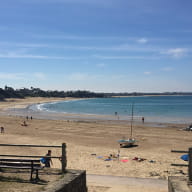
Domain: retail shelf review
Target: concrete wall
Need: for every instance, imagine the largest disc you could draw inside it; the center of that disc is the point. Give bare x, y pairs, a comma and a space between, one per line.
178, 184
71, 181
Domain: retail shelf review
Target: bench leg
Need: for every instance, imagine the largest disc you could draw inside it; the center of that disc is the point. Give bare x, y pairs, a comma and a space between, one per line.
37, 174
31, 175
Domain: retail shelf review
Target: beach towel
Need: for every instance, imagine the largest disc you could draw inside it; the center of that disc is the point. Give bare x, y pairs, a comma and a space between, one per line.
108, 159
185, 157
124, 160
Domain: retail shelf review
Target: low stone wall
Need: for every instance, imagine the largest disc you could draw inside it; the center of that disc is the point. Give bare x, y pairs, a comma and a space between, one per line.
178, 184
71, 181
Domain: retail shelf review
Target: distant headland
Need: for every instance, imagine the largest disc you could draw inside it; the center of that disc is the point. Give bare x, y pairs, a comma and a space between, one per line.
9, 92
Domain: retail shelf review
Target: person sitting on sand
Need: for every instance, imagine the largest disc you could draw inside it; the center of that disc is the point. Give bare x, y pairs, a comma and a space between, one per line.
24, 123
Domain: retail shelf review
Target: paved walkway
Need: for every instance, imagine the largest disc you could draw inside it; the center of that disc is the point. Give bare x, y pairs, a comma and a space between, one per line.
126, 184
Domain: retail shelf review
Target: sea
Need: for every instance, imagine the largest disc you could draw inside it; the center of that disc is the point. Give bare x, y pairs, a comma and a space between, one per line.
167, 109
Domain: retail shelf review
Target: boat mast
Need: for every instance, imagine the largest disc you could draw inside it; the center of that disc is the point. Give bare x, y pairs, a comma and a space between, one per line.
132, 121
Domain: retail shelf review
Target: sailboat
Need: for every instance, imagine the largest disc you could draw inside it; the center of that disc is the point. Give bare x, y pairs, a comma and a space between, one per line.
129, 141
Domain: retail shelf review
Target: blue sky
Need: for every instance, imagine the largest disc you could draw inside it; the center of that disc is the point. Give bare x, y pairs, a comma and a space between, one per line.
96, 45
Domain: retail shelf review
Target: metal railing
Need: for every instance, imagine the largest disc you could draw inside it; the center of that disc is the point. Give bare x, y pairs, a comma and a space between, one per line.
189, 160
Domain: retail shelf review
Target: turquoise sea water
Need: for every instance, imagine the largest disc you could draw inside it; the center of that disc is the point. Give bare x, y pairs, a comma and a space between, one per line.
176, 109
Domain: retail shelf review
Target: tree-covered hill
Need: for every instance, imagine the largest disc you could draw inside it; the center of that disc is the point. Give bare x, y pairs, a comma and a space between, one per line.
9, 92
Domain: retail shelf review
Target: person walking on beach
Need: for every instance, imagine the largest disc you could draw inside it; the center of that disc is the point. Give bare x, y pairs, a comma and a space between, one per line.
143, 119
2, 130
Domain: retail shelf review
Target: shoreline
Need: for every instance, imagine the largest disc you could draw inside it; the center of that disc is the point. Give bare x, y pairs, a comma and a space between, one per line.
23, 108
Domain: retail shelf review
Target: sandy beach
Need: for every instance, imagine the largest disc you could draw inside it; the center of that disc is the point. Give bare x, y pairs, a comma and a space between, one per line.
90, 142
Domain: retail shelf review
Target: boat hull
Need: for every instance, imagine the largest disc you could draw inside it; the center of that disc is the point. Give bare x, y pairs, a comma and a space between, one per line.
126, 142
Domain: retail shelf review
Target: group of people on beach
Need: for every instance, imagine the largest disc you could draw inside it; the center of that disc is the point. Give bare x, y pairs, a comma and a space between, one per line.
24, 122
27, 117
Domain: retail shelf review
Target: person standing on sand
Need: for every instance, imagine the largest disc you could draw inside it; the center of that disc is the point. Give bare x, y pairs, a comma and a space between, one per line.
143, 119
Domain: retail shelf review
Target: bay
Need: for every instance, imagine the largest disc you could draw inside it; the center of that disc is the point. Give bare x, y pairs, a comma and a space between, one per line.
173, 109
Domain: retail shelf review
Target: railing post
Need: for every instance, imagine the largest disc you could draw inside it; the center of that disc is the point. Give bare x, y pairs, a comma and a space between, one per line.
190, 164
63, 158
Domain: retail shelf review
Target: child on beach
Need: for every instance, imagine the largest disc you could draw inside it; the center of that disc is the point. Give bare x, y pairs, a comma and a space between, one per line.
47, 159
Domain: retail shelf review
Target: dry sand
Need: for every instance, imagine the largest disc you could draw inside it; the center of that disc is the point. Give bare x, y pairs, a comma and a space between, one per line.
90, 142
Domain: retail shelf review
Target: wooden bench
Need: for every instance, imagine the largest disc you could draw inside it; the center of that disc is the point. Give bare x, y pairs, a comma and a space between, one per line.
32, 164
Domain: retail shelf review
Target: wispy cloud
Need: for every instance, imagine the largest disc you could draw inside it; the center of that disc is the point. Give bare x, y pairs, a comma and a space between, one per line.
94, 38
105, 57
22, 56
142, 40
30, 56
12, 76
167, 69
115, 47
78, 76
22, 45
22, 76
177, 52
147, 73
101, 65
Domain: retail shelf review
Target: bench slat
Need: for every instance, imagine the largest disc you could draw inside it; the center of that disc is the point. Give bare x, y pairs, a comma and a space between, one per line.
21, 160
19, 164
16, 167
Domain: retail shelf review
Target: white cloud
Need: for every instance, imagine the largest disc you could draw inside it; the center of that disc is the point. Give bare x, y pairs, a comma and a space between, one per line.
16, 55
147, 73
31, 56
142, 40
177, 52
